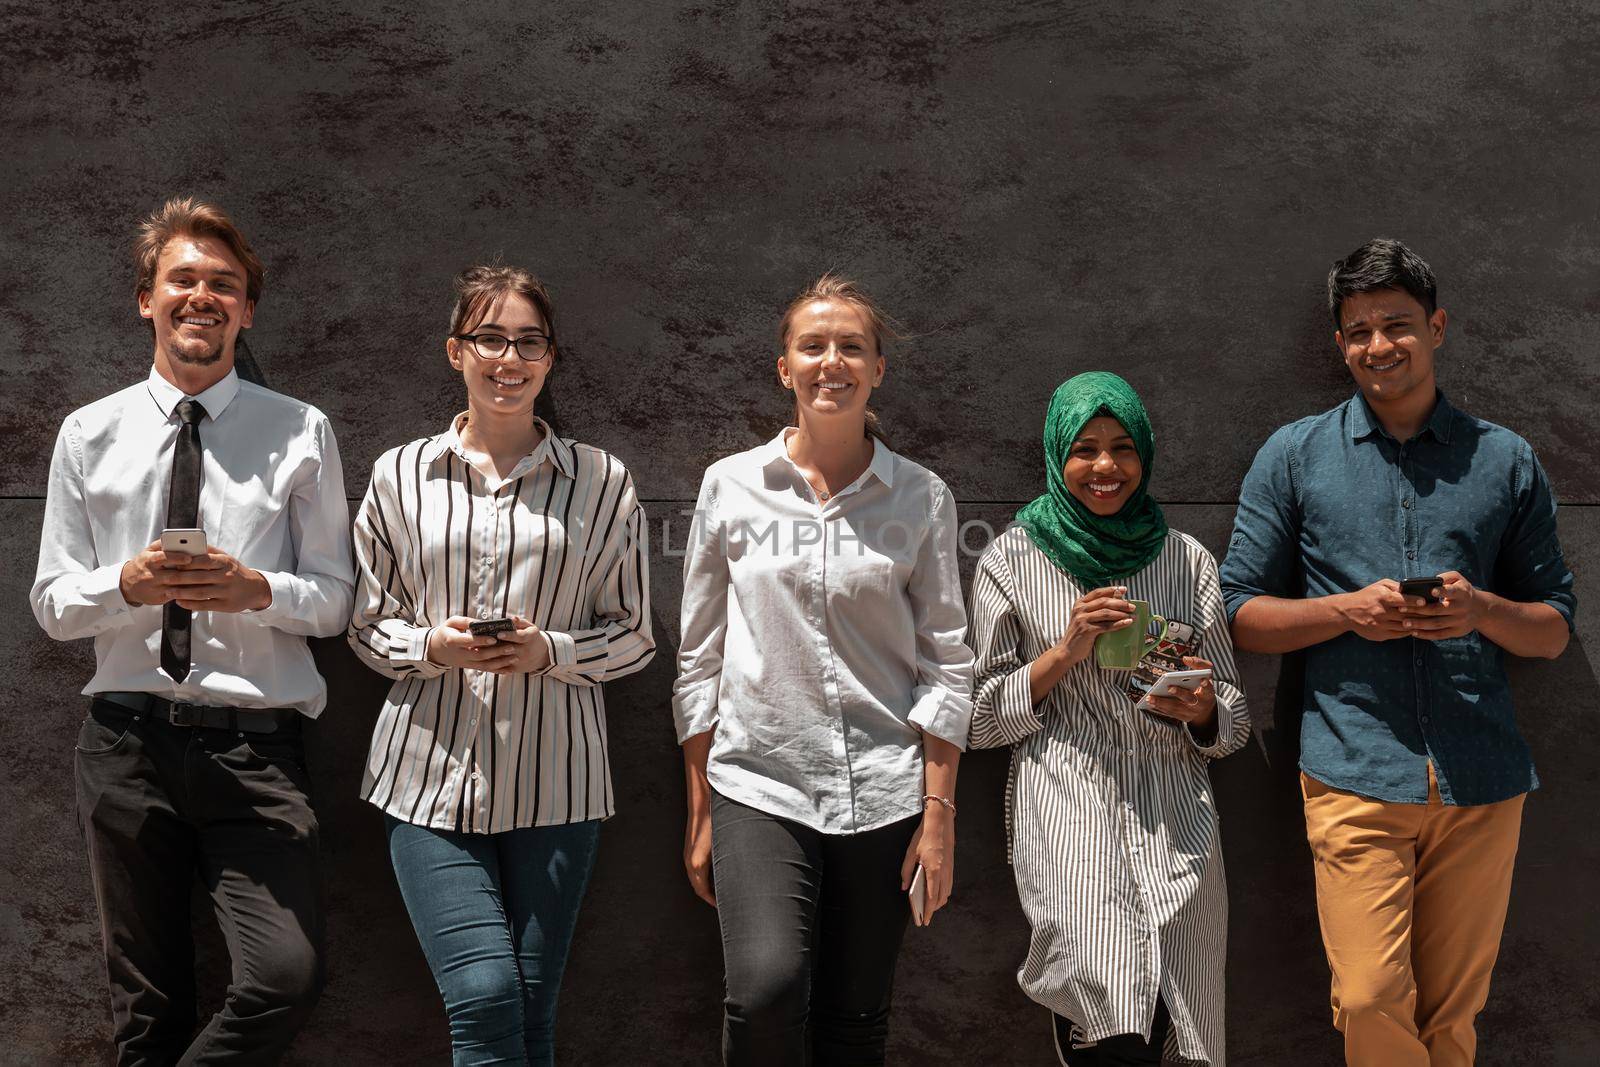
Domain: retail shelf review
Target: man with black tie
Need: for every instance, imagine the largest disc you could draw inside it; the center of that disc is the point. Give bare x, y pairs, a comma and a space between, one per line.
190, 760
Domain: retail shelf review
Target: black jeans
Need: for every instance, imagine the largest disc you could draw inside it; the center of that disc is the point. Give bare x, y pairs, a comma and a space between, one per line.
811, 928
1118, 1050
159, 803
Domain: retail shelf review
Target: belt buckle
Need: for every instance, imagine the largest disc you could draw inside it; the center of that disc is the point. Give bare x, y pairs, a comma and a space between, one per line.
183, 714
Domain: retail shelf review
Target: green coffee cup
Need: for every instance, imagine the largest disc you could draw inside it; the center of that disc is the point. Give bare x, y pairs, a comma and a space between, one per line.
1121, 650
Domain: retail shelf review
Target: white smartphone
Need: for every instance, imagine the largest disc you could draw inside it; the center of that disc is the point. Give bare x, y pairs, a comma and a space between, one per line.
918, 894
1175, 680
188, 542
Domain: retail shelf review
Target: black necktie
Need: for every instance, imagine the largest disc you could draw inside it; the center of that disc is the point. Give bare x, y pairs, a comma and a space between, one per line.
183, 513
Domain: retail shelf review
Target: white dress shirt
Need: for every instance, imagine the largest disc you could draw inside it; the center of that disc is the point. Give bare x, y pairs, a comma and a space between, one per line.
271, 494
559, 541
821, 640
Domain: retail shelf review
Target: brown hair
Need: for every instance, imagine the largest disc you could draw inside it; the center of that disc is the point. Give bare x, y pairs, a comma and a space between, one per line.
185, 216
883, 328
479, 288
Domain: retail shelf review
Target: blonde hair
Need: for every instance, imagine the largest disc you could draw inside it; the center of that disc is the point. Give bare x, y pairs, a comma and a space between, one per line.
883, 328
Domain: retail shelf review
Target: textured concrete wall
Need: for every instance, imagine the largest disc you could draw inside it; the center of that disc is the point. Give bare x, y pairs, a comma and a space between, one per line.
1036, 188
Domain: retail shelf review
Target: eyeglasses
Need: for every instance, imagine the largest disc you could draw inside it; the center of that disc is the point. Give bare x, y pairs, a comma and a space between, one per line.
531, 347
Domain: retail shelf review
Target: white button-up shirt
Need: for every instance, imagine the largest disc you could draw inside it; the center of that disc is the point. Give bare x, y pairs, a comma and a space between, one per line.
271, 494
821, 639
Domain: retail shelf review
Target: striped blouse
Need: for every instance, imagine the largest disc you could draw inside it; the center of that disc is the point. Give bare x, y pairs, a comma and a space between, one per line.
1109, 814
558, 541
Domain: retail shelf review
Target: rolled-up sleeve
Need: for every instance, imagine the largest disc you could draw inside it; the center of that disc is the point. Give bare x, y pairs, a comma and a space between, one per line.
1002, 699
1216, 646
315, 598
703, 617
1263, 553
1530, 566
942, 697
75, 594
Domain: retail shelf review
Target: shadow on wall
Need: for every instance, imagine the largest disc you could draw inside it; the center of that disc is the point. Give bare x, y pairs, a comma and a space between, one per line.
644, 982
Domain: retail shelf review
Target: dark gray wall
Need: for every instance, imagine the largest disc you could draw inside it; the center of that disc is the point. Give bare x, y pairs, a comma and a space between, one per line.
1036, 189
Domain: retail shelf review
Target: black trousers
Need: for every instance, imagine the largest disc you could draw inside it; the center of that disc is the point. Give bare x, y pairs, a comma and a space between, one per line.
159, 803
811, 929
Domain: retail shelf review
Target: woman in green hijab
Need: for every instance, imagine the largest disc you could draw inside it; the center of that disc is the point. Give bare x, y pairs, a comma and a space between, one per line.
1110, 820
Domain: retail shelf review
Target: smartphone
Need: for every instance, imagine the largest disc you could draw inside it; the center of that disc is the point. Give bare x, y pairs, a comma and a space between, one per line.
187, 542
1422, 587
918, 894
1175, 680
490, 627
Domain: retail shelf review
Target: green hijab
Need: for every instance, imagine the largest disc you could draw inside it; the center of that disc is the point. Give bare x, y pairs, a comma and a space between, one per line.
1092, 548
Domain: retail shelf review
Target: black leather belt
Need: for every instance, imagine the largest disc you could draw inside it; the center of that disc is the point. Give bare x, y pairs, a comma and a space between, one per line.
205, 716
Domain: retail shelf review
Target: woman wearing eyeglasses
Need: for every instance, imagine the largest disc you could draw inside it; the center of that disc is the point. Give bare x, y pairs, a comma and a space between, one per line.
502, 580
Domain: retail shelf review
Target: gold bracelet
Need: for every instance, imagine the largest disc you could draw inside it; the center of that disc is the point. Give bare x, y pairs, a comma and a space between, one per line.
946, 801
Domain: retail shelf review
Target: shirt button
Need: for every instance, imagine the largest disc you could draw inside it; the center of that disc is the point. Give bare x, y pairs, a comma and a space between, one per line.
1411, 555
1419, 659
1424, 720
476, 776
484, 614
1406, 503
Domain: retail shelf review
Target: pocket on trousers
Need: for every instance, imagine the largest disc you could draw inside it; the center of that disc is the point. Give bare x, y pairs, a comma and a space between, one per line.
105, 729
288, 756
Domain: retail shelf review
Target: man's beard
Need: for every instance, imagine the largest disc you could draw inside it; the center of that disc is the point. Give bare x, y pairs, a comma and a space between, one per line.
203, 357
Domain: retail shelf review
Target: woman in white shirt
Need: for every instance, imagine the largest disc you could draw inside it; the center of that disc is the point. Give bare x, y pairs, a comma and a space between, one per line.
489, 758
822, 701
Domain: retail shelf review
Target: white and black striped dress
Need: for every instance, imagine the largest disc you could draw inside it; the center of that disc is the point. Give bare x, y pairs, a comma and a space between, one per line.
1112, 828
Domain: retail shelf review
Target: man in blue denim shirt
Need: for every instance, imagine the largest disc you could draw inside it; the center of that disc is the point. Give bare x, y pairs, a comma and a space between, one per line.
1413, 771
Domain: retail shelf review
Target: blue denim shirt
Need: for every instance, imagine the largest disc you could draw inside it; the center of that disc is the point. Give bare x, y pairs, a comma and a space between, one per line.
1333, 504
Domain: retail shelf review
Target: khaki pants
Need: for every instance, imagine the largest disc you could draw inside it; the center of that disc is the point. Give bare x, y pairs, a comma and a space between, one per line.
1412, 899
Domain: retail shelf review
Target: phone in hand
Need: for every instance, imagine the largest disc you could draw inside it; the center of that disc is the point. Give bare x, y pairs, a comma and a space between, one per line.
919, 895
188, 542
1422, 587
1172, 680
490, 627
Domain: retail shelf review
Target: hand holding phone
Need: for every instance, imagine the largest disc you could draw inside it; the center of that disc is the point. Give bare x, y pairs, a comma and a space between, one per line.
1185, 696
1421, 587
1171, 681
490, 627
919, 896
185, 541
454, 643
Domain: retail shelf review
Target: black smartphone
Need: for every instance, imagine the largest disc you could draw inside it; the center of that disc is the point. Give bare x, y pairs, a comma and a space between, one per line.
490, 627
1422, 587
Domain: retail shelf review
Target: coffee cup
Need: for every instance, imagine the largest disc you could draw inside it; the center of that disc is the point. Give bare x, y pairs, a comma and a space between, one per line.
1121, 650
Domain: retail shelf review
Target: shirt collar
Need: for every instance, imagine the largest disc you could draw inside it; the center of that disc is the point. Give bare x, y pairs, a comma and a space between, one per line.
1364, 423
215, 399
1442, 419
551, 449
881, 467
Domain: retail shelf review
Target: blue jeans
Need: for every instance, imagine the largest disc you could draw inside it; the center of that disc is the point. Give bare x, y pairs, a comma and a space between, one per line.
495, 914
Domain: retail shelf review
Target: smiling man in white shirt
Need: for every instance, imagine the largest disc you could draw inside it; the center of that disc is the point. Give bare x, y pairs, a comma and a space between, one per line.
191, 759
